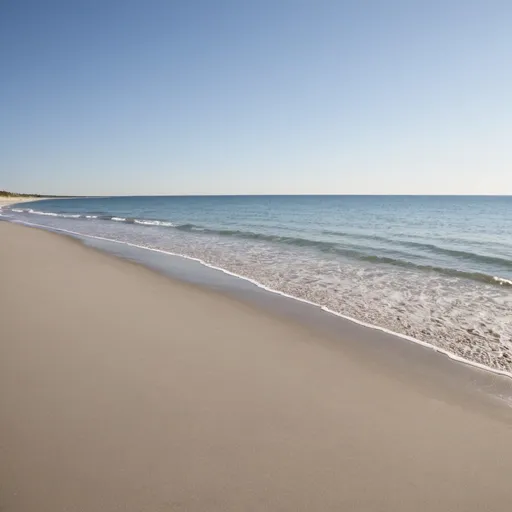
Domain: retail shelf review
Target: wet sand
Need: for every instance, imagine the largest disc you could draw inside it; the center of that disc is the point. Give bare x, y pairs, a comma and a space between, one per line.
123, 390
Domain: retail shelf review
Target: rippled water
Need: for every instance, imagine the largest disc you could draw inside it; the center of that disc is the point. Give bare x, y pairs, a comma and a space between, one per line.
438, 269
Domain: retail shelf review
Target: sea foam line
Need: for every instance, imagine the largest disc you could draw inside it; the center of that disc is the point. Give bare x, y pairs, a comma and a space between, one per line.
502, 280
144, 222
451, 355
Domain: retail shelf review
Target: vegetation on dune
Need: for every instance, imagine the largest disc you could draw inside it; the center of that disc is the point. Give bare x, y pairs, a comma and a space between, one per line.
4, 193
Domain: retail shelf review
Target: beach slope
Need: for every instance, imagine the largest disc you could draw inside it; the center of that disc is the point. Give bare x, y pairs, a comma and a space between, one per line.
121, 390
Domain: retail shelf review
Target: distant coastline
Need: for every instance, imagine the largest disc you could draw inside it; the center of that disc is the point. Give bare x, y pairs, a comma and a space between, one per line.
15, 195
5, 193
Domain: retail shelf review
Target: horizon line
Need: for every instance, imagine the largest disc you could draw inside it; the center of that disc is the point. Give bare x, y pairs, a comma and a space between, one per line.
15, 195
106, 196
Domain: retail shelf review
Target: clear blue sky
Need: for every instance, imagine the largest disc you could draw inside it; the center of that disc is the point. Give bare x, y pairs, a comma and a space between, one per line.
252, 97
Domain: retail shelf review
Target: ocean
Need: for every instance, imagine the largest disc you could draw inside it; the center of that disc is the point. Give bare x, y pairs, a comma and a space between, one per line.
435, 269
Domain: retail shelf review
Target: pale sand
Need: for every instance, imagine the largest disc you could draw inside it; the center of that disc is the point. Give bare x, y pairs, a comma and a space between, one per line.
121, 390
11, 201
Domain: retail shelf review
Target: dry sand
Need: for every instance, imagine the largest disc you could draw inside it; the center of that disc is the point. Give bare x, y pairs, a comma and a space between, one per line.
4, 200
121, 390
11, 201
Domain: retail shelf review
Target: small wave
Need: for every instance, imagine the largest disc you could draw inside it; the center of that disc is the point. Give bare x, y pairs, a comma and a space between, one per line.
48, 214
153, 223
249, 235
128, 220
356, 236
470, 256
436, 249
450, 272
51, 214
502, 281
194, 227
141, 222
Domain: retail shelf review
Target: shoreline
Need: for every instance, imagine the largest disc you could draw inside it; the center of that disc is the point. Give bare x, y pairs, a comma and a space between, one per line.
113, 395
11, 201
450, 355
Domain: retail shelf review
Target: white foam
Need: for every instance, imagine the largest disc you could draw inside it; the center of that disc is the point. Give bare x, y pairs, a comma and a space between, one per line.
50, 214
502, 281
443, 351
77, 216
153, 223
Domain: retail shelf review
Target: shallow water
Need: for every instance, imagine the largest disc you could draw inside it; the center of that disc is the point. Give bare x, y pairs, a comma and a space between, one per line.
438, 269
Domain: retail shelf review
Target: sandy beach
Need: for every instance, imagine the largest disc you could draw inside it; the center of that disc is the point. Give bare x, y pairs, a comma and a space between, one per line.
122, 390
10, 201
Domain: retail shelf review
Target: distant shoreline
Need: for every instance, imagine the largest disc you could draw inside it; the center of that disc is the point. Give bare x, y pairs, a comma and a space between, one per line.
13, 195
11, 201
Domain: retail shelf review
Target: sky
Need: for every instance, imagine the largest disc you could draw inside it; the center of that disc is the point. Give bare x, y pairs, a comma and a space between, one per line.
256, 97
